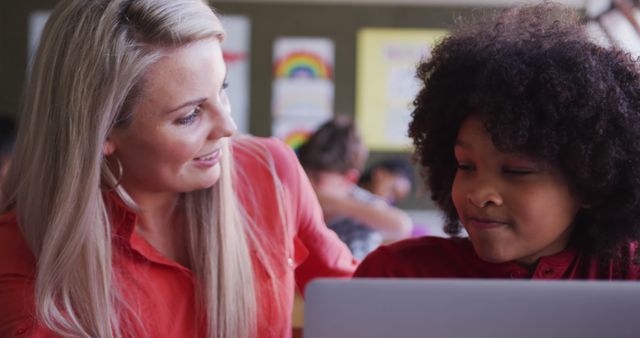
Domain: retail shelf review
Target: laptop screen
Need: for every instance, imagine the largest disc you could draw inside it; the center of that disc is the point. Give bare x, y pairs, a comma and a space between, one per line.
447, 308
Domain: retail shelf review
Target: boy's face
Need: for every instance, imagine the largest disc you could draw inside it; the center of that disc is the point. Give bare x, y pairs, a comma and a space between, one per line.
513, 207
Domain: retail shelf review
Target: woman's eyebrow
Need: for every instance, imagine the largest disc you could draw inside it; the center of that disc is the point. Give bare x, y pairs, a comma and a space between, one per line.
187, 104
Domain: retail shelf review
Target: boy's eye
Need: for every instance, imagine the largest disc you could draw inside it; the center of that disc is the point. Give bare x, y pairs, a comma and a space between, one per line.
465, 167
518, 171
189, 119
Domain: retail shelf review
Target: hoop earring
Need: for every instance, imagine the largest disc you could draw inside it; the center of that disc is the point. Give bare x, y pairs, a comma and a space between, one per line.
110, 177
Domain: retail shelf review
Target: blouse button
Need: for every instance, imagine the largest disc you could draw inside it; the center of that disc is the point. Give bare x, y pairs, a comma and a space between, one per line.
21, 330
290, 261
547, 272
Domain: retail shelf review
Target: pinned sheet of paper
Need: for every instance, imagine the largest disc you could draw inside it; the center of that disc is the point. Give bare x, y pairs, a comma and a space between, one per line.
303, 88
386, 83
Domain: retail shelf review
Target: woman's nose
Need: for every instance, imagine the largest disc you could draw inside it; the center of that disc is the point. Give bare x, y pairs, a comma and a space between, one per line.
223, 126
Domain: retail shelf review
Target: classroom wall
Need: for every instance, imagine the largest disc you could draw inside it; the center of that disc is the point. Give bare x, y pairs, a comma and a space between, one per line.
340, 23
337, 22
268, 22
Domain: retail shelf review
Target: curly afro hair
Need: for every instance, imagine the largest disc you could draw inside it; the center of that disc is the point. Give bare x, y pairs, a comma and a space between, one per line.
543, 89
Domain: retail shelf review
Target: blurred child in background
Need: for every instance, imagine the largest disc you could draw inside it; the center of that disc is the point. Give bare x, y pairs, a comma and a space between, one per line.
390, 179
333, 158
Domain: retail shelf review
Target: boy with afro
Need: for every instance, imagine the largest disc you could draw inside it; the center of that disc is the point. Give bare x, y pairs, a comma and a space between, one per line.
528, 135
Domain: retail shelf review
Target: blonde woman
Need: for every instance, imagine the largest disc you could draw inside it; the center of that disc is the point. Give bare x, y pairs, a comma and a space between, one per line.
128, 209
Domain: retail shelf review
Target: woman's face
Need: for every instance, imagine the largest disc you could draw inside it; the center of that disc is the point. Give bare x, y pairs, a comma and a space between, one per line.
513, 207
174, 141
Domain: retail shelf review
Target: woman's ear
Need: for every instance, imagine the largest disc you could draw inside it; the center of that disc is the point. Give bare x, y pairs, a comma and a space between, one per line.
108, 148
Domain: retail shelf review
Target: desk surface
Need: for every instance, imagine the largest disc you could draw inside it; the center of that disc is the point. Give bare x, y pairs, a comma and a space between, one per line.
297, 317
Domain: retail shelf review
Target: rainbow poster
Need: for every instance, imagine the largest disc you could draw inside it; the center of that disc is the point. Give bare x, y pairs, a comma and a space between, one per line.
303, 88
302, 64
296, 138
296, 131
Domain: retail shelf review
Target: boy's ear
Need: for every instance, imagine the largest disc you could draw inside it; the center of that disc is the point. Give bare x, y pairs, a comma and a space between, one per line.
108, 148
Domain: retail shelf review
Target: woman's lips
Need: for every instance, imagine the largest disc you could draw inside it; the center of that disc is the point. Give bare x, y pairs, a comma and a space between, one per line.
208, 160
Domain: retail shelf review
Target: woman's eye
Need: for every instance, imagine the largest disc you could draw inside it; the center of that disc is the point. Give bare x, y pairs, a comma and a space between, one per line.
225, 84
189, 119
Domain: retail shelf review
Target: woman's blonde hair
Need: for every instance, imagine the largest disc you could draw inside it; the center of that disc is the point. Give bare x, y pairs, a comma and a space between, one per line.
87, 74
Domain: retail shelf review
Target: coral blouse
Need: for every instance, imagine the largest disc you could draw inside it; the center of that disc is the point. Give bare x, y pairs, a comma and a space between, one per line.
162, 290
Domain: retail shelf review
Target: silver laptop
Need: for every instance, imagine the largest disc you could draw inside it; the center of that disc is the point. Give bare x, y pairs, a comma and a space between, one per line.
445, 308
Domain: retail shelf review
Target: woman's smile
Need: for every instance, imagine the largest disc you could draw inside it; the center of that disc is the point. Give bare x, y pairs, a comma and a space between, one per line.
208, 160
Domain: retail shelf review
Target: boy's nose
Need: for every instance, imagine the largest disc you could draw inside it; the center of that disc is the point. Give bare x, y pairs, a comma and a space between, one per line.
484, 196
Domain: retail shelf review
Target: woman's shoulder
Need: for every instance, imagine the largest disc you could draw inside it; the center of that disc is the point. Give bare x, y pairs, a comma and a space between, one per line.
17, 271
416, 257
251, 146
251, 152
17, 258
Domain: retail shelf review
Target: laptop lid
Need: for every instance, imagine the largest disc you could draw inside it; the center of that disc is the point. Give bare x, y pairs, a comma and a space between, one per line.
447, 308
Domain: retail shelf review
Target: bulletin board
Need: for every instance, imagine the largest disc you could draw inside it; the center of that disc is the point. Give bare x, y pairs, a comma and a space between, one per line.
386, 83
268, 21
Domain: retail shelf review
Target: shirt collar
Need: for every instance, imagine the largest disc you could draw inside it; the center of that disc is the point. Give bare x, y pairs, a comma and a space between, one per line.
123, 219
548, 267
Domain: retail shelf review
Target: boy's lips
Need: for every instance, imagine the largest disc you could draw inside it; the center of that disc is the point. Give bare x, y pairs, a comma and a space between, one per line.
485, 222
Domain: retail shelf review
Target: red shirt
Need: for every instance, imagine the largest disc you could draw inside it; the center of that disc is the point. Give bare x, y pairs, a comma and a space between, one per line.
455, 258
162, 289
